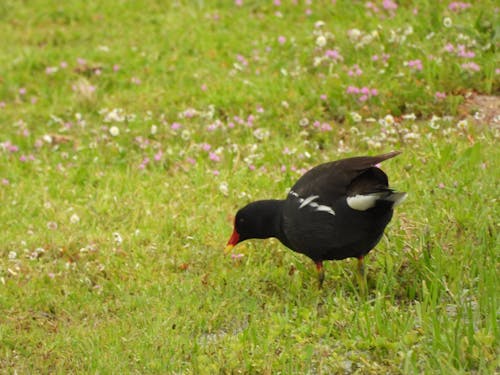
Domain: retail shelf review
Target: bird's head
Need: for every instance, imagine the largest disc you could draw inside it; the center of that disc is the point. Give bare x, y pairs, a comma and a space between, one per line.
255, 220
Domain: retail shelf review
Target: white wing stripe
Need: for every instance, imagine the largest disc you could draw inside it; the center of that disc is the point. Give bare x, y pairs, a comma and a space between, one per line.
327, 209
309, 201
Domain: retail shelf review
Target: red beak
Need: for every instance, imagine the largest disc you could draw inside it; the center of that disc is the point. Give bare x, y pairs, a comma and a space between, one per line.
235, 237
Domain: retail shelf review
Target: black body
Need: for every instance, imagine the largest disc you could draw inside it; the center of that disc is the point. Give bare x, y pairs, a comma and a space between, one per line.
316, 220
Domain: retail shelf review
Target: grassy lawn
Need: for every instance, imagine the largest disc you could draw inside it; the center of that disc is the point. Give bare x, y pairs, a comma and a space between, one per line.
131, 132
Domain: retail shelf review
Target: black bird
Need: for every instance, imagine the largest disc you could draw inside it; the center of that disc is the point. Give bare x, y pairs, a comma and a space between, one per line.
336, 210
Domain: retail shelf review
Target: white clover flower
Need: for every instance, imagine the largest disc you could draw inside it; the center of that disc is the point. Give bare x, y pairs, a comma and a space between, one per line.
479, 115
117, 238
114, 131
356, 117
154, 129
319, 24
317, 61
52, 225
354, 34
408, 30
185, 135
115, 115
389, 120
224, 188
47, 138
304, 122
12, 255
447, 22
410, 116
74, 219
321, 41
462, 124
261, 134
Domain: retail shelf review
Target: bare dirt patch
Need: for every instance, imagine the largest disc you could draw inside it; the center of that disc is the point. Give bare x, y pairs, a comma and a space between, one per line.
484, 109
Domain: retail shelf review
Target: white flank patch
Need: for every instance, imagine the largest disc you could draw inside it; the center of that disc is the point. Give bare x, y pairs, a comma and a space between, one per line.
308, 200
363, 202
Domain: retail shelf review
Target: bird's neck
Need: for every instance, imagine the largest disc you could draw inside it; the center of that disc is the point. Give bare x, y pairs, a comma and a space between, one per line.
270, 213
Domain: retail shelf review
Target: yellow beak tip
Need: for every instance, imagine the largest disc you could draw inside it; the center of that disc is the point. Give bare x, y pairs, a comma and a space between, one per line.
228, 249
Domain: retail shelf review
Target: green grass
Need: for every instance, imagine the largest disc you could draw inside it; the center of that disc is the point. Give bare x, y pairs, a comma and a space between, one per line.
163, 299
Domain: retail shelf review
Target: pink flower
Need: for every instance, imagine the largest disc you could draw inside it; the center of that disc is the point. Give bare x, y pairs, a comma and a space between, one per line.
204, 87
22, 91
5, 181
440, 95
158, 155
63, 64
334, 55
326, 127
22, 158
365, 91
373, 92
281, 39
50, 70
206, 147
251, 167
449, 47
214, 157
471, 66
81, 61
352, 90
389, 5
323, 97
2, 104
355, 71
250, 120
191, 161
116, 68
175, 126
415, 64
216, 172
457, 6
10, 147
238, 2
135, 80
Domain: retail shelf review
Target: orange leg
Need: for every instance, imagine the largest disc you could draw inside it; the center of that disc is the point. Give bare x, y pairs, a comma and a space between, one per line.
321, 273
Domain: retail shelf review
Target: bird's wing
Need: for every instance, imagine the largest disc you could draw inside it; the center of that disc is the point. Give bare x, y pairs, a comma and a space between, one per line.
355, 175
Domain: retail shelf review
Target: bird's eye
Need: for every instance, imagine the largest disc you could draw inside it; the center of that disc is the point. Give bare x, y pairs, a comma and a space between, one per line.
241, 220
